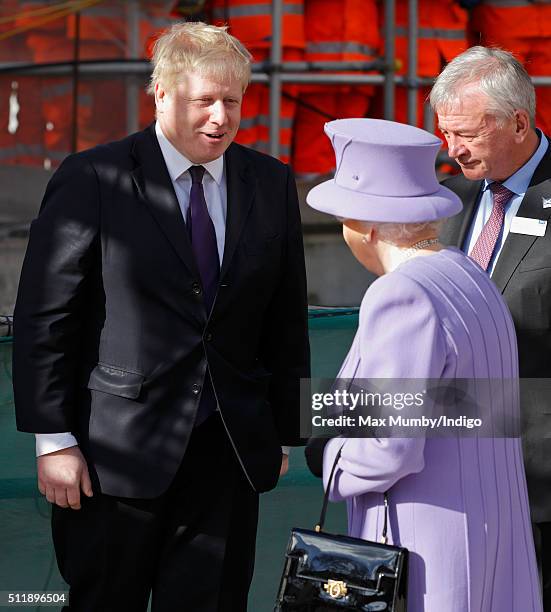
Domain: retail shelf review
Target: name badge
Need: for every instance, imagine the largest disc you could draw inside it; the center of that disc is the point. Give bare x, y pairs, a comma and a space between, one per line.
531, 227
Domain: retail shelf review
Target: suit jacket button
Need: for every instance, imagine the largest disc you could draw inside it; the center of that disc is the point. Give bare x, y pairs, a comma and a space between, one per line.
195, 389
208, 337
196, 288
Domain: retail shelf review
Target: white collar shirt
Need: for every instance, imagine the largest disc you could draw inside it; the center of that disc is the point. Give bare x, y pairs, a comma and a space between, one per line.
214, 185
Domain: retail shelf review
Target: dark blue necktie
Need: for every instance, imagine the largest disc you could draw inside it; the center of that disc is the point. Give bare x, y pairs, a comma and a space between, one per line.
203, 237
205, 250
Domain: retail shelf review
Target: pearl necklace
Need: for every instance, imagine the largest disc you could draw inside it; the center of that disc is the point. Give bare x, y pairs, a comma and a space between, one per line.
422, 244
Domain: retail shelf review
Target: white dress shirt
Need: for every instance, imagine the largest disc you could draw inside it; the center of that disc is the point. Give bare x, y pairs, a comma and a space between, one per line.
518, 184
214, 185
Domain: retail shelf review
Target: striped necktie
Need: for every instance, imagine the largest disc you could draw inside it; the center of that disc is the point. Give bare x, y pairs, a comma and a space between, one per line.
485, 245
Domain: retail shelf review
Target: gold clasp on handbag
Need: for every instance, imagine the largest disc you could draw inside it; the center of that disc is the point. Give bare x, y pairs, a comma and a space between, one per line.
335, 588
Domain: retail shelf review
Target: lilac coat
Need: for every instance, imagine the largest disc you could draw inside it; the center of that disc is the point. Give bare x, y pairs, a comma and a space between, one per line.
458, 504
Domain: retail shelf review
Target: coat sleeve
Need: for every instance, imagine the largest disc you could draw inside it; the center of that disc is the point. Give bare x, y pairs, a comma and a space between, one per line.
400, 337
51, 300
285, 344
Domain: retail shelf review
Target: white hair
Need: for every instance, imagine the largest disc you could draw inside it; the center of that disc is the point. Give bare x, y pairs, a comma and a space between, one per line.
404, 234
496, 73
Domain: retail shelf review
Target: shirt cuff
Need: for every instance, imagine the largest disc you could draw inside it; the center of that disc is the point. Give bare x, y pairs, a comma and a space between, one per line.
51, 442
285, 450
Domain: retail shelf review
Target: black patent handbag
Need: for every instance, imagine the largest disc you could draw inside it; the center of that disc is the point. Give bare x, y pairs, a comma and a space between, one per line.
324, 572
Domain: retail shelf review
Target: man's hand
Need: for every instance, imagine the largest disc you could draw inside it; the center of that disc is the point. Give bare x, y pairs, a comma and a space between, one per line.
284, 464
61, 476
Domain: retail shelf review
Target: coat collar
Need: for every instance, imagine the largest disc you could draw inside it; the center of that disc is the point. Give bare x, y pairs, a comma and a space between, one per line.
241, 188
177, 163
154, 184
455, 230
516, 246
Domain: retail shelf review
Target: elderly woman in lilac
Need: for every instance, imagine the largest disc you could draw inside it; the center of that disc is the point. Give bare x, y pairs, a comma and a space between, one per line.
458, 504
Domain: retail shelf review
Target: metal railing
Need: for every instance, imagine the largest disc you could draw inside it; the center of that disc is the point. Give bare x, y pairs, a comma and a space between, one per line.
6, 327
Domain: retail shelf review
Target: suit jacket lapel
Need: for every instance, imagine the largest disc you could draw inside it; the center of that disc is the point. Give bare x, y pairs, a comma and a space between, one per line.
455, 230
155, 187
241, 188
516, 246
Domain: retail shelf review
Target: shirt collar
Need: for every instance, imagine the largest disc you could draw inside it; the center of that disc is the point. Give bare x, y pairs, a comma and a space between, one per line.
519, 182
177, 163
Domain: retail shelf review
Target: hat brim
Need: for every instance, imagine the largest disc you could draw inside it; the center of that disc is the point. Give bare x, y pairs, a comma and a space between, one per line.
330, 198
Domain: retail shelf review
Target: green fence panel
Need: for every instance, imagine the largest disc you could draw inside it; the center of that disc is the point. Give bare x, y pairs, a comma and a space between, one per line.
27, 561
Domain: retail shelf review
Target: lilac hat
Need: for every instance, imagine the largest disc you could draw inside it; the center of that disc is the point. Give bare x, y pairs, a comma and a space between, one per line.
385, 172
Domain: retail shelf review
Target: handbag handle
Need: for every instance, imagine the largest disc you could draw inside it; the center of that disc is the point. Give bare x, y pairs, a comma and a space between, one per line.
321, 522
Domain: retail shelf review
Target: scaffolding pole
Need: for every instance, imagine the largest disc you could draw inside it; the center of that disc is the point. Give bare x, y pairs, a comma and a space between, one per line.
143, 68
133, 52
76, 81
139, 67
413, 39
428, 118
390, 58
275, 76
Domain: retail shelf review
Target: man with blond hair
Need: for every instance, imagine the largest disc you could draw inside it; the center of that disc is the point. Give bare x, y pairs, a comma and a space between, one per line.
486, 109
160, 335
